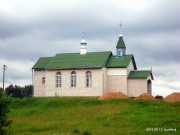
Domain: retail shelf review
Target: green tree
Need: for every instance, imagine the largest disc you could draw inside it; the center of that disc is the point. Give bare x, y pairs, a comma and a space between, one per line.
18, 91
27, 91
4, 122
9, 90
13, 91
1, 91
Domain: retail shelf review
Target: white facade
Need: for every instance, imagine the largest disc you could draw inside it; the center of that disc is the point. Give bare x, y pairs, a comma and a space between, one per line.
117, 79
103, 80
117, 71
130, 67
49, 87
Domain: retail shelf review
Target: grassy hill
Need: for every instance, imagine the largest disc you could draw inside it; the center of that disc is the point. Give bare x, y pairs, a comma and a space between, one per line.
85, 116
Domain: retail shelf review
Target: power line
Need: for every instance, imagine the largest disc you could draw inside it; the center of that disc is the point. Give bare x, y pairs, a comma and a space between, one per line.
18, 74
18, 70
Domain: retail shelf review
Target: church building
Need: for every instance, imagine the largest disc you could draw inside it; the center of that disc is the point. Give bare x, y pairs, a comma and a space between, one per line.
90, 73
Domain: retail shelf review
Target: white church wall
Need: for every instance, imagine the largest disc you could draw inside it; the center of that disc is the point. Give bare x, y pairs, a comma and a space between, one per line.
117, 83
80, 89
39, 87
130, 67
137, 87
116, 71
105, 80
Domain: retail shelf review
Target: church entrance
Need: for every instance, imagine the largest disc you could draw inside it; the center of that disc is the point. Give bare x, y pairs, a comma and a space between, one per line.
149, 87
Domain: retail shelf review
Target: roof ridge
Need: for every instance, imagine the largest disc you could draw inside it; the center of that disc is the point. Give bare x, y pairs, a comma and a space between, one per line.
45, 57
87, 52
140, 70
76, 60
139, 74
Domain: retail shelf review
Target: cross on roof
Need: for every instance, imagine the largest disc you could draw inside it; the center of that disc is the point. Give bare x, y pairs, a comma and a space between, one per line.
83, 34
120, 27
120, 34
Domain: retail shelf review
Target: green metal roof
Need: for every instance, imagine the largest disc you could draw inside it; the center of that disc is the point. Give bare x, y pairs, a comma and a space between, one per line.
76, 60
89, 60
140, 74
42, 62
119, 62
120, 43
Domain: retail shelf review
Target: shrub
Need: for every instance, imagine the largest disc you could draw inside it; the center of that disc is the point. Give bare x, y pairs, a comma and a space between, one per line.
86, 133
4, 122
159, 97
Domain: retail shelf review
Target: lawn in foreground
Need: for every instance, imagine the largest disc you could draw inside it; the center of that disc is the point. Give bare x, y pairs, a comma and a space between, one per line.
62, 116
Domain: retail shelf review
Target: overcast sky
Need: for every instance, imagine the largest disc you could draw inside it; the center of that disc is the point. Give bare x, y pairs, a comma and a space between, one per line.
30, 29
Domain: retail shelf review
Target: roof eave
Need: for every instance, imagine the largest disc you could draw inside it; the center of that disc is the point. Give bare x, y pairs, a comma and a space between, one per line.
151, 75
117, 67
38, 68
64, 68
134, 63
105, 63
137, 77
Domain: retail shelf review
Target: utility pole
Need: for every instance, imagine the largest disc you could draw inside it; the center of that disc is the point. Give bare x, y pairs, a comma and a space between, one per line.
4, 69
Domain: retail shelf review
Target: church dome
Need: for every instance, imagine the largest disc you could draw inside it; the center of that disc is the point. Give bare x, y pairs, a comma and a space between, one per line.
83, 41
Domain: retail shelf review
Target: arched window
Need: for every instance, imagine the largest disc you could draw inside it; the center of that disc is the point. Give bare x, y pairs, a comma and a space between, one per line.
73, 79
43, 80
88, 79
149, 87
58, 79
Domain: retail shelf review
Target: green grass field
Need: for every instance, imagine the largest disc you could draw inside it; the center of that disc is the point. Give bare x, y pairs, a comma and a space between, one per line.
88, 116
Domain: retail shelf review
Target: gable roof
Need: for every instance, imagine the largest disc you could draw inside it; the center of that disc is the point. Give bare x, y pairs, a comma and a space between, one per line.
140, 74
121, 62
121, 43
76, 60
42, 62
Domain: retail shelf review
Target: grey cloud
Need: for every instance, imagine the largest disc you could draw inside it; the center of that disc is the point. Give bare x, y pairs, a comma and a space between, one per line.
151, 33
155, 49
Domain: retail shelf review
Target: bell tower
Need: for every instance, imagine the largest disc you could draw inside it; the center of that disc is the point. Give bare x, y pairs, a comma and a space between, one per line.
83, 49
120, 47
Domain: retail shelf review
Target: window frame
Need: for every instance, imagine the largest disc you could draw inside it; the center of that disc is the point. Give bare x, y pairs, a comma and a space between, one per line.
73, 80
58, 79
88, 79
43, 80
119, 53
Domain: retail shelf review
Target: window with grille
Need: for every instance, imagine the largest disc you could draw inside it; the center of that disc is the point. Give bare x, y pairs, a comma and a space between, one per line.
58, 79
88, 79
73, 79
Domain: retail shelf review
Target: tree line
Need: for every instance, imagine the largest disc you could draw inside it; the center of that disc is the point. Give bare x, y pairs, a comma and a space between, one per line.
18, 91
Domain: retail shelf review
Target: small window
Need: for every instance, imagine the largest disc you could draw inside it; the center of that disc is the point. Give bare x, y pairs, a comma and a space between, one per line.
119, 53
88, 79
58, 79
43, 80
73, 79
